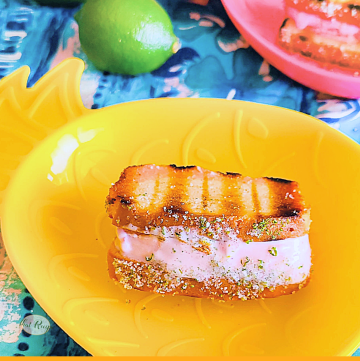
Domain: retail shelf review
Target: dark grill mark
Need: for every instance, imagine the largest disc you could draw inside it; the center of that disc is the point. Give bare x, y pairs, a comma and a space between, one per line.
283, 24
354, 7
306, 53
284, 200
233, 174
287, 211
182, 167
277, 195
175, 191
279, 180
125, 201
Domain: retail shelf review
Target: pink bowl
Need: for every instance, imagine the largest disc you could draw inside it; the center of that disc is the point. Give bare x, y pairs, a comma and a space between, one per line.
259, 22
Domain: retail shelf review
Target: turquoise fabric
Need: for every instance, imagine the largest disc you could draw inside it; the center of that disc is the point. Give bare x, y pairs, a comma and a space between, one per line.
214, 61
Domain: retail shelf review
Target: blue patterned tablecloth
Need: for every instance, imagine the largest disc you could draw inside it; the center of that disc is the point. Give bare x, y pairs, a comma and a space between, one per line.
214, 61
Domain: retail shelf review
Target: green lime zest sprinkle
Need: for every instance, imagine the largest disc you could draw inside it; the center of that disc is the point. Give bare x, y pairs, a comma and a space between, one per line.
244, 263
202, 222
273, 251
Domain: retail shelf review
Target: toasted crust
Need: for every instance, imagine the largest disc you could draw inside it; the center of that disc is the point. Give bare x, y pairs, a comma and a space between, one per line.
260, 209
138, 275
317, 47
347, 11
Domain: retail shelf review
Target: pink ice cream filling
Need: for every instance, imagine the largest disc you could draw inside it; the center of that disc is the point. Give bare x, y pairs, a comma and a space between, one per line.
267, 264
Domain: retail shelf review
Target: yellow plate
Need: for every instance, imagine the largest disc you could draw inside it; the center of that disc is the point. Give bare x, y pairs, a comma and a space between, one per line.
57, 232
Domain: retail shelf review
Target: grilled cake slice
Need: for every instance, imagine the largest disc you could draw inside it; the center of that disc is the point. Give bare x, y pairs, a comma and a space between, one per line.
150, 198
192, 231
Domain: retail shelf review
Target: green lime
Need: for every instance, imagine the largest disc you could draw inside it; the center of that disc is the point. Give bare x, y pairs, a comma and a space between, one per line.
126, 36
61, 3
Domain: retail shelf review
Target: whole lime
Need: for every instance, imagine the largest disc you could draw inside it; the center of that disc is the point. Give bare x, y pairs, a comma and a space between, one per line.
126, 36
60, 3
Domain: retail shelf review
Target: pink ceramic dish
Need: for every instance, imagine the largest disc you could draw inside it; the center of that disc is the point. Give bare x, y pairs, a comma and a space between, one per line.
259, 22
